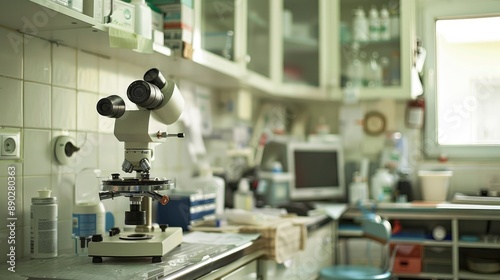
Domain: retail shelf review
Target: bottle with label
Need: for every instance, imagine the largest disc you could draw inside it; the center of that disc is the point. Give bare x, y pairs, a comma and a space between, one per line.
360, 26
382, 185
374, 24
43, 229
385, 24
358, 189
243, 197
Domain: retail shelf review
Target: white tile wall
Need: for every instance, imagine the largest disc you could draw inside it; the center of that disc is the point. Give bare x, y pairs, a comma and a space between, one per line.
86, 113
11, 95
37, 60
38, 152
88, 72
49, 91
11, 54
63, 108
63, 66
37, 105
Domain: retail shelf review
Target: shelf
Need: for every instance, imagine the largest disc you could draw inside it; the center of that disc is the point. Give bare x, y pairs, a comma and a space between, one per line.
296, 44
464, 274
487, 245
381, 43
425, 275
426, 242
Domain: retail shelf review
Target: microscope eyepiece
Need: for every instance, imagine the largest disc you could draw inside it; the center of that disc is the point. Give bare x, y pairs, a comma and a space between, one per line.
144, 94
112, 106
155, 77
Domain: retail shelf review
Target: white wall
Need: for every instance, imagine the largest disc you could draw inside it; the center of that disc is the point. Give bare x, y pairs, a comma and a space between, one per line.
48, 90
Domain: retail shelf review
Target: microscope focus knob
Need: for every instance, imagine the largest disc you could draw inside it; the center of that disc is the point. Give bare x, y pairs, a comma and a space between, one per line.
97, 238
163, 227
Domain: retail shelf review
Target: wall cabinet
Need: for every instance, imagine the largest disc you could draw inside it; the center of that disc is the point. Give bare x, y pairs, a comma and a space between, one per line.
374, 43
470, 233
293, 48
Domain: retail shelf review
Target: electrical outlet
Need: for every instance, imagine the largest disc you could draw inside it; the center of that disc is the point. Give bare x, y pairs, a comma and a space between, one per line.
10, 147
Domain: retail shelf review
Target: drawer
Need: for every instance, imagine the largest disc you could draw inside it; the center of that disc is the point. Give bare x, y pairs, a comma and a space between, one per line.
407, 265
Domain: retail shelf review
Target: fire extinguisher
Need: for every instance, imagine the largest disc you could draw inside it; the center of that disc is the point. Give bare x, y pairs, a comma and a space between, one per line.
415, 113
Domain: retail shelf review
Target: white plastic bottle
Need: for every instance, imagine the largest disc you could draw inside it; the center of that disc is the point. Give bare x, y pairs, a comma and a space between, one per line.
385, 24
243, 197
360, 26
358, 189
382, 185
43, 230
394, 23
374, 24
143, 26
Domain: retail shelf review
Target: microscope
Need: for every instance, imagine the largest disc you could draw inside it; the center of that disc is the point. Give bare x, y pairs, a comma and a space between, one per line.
159, 104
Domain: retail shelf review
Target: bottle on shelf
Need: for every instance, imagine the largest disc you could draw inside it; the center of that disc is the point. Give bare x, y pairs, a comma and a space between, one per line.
355, 68
382, 186
394, 22
395, 68
374, 24
384, 64
360, 26
373, 71
385, 24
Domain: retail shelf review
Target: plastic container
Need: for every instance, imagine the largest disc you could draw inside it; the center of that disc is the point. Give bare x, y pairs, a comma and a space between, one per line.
43, 237
243, 197
358, 190
88, 219
382, 186
434, 184
385, 24
360, 26
373, 24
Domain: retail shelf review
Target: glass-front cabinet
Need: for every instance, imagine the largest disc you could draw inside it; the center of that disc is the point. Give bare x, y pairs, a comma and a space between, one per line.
258, 36
374, 43
218, 35
303, 47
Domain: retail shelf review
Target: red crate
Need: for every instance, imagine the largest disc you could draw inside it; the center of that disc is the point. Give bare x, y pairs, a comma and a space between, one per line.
408, 258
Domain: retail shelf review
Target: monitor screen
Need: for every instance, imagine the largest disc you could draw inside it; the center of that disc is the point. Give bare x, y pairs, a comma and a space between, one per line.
315, 169
318, 171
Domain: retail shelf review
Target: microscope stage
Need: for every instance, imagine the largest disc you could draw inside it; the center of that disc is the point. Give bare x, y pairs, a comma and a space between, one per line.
158, 245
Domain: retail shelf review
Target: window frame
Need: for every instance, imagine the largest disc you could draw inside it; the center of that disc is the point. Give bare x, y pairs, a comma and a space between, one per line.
433, 10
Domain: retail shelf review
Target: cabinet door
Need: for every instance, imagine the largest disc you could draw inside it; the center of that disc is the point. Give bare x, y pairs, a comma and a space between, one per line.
259, 37
300, 36
375, 42
217, 38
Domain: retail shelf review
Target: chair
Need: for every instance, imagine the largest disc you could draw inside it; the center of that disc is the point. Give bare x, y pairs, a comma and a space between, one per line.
375, 228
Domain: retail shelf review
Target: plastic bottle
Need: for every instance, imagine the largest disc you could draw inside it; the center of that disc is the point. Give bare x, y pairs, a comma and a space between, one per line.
374, 24
143, 19
385, 24
358, 189
360, 26
394, 23
382, 185
374, 71
43, 231
243, 197
355, 69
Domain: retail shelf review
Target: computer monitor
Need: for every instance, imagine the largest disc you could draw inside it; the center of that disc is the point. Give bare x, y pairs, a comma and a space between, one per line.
316, 168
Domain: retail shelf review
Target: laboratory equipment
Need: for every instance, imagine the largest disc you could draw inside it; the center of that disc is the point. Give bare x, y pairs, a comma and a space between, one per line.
317, 168
159, 104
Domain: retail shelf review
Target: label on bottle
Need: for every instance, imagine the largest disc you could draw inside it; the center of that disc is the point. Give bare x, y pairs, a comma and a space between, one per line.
84, 224
43, 231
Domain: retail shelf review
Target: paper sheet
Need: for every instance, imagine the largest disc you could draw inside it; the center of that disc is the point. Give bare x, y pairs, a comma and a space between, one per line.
219, 238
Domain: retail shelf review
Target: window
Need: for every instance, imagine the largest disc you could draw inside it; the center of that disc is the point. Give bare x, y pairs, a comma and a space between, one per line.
463, 80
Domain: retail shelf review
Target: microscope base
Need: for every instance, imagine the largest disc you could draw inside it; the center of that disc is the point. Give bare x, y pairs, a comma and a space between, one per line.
158, 245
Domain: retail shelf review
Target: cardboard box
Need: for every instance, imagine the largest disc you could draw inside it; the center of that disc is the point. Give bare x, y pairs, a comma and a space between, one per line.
178, 22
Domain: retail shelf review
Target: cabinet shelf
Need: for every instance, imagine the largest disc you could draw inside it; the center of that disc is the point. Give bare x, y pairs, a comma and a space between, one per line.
426, 242
380, 43
425, 275
487, 245
464, 274
297, 44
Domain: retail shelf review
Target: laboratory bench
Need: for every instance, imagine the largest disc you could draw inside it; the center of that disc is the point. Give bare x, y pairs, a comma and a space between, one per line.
251, 253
